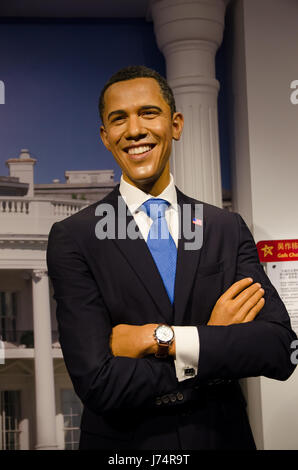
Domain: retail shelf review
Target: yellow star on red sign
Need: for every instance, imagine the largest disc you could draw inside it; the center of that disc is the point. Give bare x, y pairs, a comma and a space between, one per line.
267, 250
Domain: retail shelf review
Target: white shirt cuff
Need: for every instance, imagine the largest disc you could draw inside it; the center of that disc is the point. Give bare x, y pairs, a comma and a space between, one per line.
187, 352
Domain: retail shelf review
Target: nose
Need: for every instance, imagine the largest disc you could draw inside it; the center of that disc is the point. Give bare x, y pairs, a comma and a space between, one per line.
134, 130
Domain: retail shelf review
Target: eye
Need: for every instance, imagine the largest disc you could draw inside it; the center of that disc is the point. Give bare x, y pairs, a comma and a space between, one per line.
149, 113
118, 118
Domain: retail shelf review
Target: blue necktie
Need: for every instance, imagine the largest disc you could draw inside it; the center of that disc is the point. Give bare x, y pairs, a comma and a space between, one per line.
161, 243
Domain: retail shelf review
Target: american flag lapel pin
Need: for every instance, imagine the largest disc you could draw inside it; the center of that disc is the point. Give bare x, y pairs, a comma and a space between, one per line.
197, 221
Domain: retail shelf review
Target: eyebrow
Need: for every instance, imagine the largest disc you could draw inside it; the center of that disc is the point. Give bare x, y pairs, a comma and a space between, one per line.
118, 111
121, 111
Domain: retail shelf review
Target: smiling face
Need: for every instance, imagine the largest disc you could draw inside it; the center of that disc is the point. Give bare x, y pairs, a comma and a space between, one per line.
138, 129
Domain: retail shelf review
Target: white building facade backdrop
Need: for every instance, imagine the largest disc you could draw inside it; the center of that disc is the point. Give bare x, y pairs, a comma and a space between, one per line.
38, 407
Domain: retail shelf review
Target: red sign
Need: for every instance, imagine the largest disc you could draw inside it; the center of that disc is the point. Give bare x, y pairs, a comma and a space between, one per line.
277, 250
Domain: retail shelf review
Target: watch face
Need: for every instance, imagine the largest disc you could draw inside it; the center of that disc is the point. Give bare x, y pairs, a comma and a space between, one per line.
164, 333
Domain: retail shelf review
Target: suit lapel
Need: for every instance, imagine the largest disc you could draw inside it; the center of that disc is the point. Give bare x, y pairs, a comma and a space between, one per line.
138, 256
189, 251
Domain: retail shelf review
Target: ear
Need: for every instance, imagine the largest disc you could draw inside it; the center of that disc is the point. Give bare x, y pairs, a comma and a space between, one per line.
104, 137
177, 124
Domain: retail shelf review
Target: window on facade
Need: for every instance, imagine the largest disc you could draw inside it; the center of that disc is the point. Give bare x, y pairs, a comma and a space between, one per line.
72, 411
8, 314
10, 415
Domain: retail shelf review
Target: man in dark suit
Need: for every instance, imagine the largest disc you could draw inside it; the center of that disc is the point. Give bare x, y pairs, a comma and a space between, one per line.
156, 330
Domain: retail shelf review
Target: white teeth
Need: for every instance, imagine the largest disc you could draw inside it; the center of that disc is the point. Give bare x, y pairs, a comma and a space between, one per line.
138, 150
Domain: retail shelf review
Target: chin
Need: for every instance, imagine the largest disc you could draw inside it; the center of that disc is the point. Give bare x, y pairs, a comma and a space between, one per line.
144, 180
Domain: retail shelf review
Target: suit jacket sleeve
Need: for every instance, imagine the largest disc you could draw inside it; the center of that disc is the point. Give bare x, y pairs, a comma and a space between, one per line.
103, 382
260, 347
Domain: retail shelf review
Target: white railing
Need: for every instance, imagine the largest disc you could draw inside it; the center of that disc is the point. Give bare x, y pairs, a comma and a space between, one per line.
63, 209
14, 206
33, 215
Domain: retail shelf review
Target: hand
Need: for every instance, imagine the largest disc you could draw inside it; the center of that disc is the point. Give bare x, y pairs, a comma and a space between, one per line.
239, 304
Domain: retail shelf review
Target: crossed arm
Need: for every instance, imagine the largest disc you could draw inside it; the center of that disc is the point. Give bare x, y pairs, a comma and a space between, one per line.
239, 304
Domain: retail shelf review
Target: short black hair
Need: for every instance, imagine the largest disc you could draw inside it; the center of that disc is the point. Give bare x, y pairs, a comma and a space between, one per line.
138, 71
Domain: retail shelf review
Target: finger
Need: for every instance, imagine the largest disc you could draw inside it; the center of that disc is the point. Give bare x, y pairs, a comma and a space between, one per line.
246, 295
254, 311
250, 303
236, 288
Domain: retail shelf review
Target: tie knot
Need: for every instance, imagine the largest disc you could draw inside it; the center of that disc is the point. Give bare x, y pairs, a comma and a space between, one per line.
155, 208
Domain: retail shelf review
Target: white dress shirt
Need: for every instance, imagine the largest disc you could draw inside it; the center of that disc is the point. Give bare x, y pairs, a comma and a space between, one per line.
186, 337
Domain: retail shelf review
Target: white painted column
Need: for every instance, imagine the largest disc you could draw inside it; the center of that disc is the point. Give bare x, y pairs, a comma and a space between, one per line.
44, 371
189, 34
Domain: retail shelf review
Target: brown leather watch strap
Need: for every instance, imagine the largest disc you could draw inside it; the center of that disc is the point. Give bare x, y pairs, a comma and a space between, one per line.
162, 350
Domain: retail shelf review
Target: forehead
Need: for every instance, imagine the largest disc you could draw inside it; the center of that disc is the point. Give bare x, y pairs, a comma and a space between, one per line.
133, 93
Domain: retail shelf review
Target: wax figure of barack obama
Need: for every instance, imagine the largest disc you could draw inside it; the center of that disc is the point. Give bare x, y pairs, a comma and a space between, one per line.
155, 339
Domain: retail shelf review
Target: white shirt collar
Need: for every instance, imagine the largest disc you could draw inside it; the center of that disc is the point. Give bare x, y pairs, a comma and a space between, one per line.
135, 197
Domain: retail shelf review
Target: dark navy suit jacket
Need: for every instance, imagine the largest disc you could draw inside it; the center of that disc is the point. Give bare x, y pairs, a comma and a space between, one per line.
138, 403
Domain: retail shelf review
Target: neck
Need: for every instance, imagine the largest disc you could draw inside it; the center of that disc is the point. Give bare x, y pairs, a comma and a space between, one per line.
155, 187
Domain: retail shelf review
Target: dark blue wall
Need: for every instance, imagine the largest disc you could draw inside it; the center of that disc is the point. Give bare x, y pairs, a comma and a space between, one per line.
53, 72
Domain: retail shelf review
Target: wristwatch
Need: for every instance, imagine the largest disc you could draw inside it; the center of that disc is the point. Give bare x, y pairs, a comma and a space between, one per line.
164, 336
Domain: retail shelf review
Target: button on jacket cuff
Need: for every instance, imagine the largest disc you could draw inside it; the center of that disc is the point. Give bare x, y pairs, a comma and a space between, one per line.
187, 352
